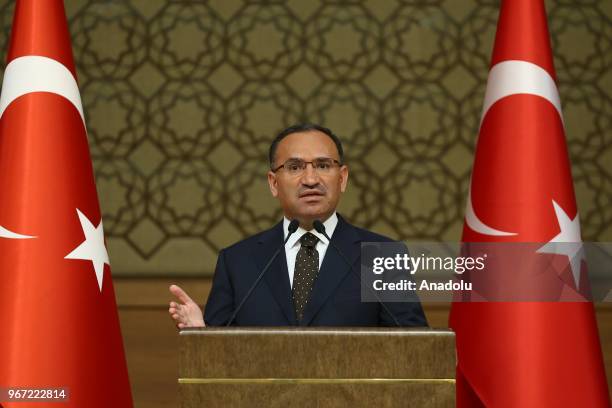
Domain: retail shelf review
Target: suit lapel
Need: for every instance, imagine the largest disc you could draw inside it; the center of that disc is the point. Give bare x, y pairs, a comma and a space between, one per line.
277, 277
333, 269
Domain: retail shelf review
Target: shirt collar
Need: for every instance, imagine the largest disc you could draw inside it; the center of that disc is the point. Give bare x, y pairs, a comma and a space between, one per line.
330, 226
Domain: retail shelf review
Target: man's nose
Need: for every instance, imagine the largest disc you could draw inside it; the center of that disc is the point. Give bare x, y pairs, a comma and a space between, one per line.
310, 176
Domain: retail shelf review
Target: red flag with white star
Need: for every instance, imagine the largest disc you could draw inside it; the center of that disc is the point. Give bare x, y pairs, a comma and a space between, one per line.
525, 354
59, 326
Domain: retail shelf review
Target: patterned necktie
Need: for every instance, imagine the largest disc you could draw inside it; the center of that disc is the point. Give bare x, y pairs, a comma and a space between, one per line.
305, 273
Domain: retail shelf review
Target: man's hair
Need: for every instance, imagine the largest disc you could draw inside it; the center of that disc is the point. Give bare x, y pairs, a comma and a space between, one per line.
304, 127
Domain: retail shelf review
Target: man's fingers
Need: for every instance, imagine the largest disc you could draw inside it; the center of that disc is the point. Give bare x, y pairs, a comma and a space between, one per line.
185, 312
180, 294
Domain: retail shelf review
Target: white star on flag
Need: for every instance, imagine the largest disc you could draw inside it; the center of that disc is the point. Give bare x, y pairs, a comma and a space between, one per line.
568, 242
93, 248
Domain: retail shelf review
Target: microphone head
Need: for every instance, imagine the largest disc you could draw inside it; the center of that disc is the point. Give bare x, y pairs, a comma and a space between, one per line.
293, 226
319, 227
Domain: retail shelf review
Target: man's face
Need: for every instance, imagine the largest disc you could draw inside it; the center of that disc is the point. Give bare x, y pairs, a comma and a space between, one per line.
313, 194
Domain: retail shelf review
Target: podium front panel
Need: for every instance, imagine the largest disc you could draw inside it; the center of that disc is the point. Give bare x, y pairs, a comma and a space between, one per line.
266, 367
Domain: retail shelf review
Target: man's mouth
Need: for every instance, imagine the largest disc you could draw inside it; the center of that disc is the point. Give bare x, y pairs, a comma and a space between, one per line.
310, 193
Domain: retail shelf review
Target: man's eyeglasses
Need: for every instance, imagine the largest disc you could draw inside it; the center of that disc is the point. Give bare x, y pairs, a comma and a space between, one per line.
295, 167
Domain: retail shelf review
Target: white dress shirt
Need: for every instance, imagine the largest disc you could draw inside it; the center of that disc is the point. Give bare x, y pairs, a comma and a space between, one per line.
293, 245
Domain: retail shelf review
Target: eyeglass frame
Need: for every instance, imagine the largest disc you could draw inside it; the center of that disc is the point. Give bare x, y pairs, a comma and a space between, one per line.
306, 163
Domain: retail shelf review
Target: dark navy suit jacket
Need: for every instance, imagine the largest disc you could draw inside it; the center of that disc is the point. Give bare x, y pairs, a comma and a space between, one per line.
335, 298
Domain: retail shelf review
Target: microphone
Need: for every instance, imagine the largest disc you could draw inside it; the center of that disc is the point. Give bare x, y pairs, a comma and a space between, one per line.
293, 226
320, 228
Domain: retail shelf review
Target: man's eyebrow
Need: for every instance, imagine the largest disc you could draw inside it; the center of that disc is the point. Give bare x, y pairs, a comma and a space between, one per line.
316, 158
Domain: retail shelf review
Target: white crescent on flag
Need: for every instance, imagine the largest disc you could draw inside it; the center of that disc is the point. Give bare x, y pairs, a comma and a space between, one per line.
508, 78
34, 73
4, 233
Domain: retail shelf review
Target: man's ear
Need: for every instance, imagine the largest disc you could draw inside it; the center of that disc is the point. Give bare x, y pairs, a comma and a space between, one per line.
344, 173
273, 183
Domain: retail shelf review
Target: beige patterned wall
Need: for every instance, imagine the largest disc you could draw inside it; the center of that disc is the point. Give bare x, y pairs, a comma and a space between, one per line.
183, 97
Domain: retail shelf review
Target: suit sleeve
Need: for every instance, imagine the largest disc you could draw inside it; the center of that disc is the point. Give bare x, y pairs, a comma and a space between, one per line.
220, 304
408, 312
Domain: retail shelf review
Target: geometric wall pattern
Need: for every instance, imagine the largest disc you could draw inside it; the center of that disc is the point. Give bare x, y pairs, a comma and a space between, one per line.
182, 99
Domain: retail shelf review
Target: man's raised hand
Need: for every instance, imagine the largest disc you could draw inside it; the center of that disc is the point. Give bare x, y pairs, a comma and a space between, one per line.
185, 313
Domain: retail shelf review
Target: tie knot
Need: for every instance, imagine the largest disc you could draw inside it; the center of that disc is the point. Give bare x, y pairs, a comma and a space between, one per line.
309, 240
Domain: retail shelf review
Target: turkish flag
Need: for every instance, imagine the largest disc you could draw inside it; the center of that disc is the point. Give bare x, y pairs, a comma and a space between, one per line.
525, 354
58, 317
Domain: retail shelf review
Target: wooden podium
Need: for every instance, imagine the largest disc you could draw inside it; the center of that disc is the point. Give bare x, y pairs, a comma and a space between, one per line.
316, 367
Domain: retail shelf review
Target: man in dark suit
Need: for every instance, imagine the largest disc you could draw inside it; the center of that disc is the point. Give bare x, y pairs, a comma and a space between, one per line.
309, 283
